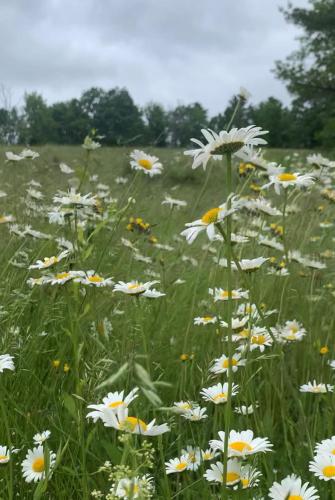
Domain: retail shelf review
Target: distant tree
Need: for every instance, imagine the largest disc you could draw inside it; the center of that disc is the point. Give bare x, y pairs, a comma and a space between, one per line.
185, 122
71, 123
37, 126
271, 115
156, 123
310, 71
115, 115
9, 126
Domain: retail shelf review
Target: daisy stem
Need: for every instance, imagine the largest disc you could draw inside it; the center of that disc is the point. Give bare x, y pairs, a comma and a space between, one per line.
284, 227
229, 322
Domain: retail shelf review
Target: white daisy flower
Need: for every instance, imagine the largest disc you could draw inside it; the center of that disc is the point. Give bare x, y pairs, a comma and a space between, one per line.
249, 476
260, 341
292, 487
112, 401
271, 243
241, 444
292, 331
306, 261
285, 180
136, 487
4, 454
223, 143
327, 446
49, 261
183, 406
153, 294
221, 294
72, 198
6, 362
92, 278
245, 410
218, 393
195, 414
205, 320
253, 156
237, 323
193, 457
316, 388
320, 161
209, 219
122, 422
332, 363
40, 437
42, 280
13, 157
215, 473
176, 465
134, 287
208, 454
65, 168
260, 204
63, 277
323, 467
146, 163
221, 365
28, 153
172, 202
34, 465
90, 144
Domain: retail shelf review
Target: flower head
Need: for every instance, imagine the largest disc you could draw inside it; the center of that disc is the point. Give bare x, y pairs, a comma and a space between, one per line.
292, 488
241, 444
148, 164
34, 465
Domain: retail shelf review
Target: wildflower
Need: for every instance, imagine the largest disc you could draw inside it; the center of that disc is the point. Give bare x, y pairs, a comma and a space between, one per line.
122, 422
193, 457
92, 278
210, 218
241, 444
221, 365
4, 455
6, 362
324, 350
260, 204
66, 368
271, 243
205, 320
172, 202
237, 323
292, 488
319, 161
221, 294
39, 438
63, 277
195, 414
136, 288
285, 180
316, 388
249, 477
72, 198
208, 454
28, 153
55, 363
112, 401
136, 487
245, 169
138, 224
176, 465
218, 393
332, 364
327, 447
65, 168
223, 143
90, 145
34, 466
183, 406
323, 466
292, 331
215, 473
245, 410
49, 261
146, 163
260, 341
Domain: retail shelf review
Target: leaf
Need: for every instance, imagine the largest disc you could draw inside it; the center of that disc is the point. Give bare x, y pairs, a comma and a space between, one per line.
115, 377
70, 405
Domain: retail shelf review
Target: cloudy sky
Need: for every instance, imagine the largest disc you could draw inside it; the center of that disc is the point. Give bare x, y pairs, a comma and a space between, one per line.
171, 51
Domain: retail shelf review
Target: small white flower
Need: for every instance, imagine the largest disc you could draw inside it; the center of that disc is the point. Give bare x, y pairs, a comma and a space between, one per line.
34, 466
323, 466
215, 473
195, 414
218, 394
6, 362
39, 438
316, 388
221, 294
122, 422
148, 164
91, 278
285, 180
241, 444
205, 320
176, 465
49, 261
112, 401
292, 487
221, 365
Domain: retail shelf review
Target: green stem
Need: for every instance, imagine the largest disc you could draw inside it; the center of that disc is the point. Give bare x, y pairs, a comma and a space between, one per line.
228, 411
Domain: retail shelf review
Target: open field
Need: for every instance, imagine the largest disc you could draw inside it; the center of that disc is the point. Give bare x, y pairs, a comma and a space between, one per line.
73, 343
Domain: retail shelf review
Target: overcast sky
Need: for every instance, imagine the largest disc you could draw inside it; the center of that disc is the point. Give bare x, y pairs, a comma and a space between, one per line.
171, 51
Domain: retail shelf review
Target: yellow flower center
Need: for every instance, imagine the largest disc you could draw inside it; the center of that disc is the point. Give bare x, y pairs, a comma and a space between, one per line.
95, 278
185, 406
221, 395
286, 177
115, 404
145, 164
329, 471
225, 295
61, 276
48, 261
133, 286
258, 339
132, 422
38, 464
240, 446
232, 477
245, 333
227, 362
290, 337
192, 458
294, 329
3, 457
295, 497
245, 482
181, 466
207, 318
211, 216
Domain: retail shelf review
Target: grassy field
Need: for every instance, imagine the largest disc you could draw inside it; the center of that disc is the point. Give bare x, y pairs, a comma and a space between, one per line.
72, 344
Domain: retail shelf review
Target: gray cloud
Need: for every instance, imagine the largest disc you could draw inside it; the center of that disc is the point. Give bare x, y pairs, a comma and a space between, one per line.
170, 51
